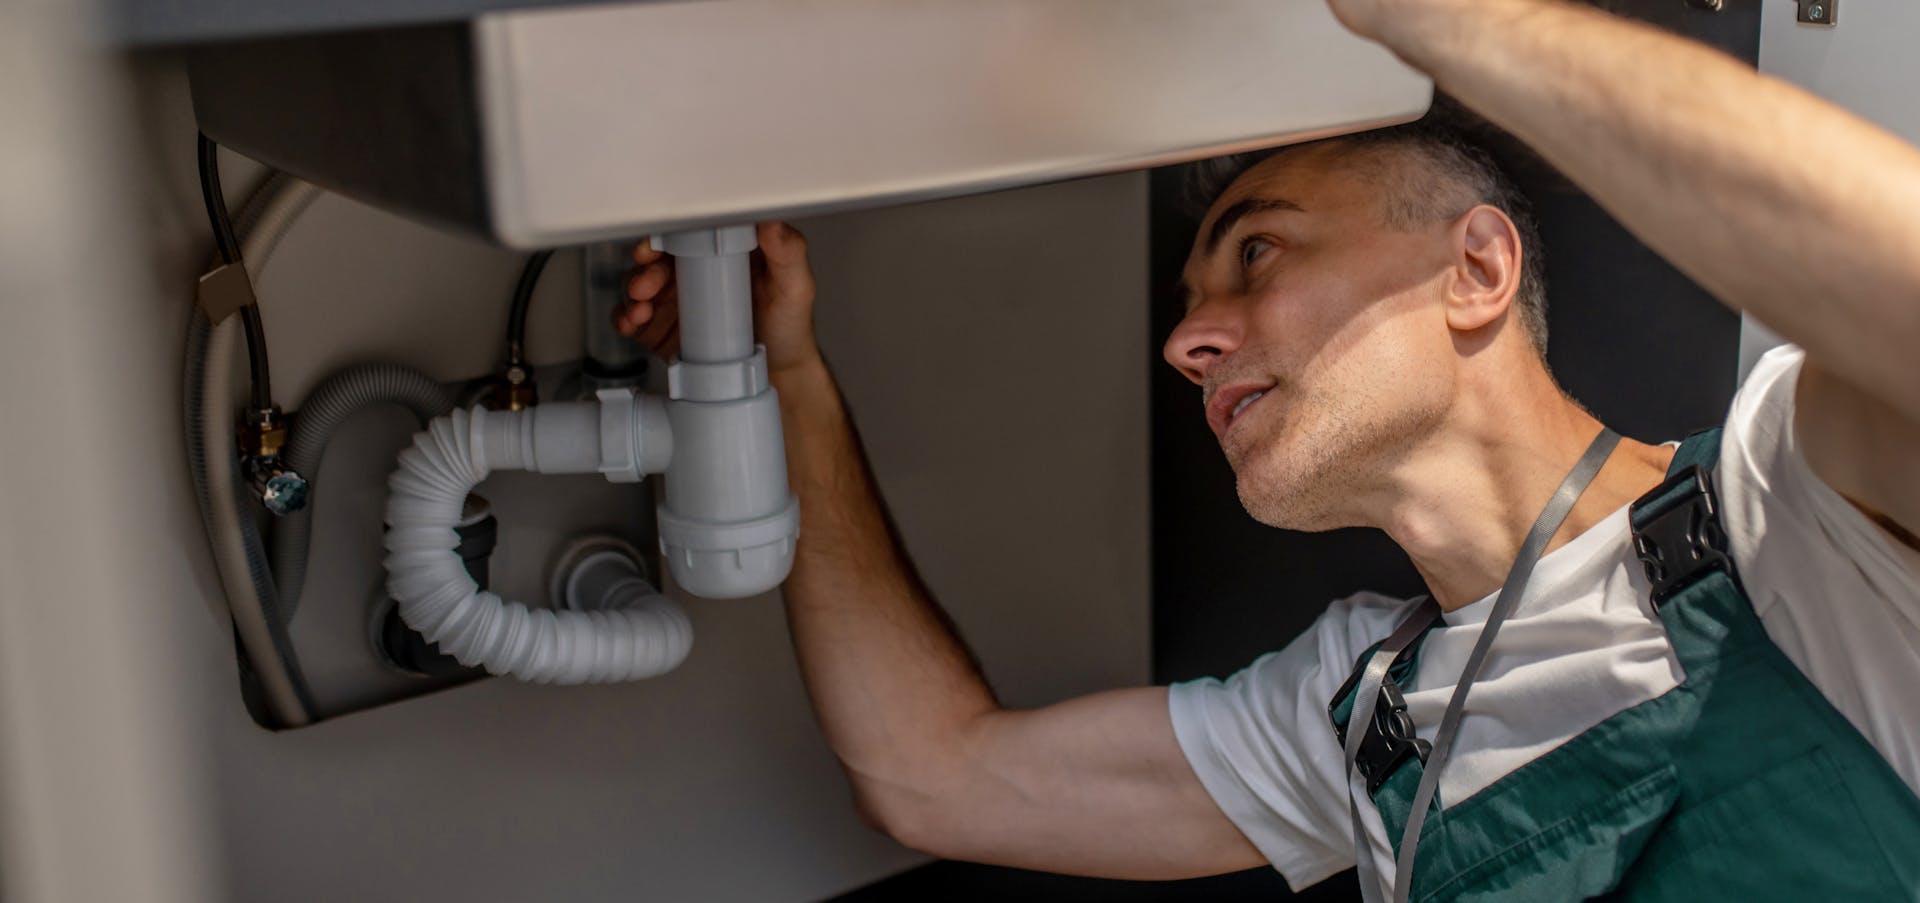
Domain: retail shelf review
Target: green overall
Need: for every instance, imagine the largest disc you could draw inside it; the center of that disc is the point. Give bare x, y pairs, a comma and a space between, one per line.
1742, 783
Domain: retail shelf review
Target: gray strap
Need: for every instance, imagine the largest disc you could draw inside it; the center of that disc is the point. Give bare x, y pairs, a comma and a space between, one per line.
1375, 674
1366, 698
1530, 551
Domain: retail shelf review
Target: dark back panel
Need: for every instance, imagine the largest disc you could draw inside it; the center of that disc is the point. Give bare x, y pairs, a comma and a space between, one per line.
391, 112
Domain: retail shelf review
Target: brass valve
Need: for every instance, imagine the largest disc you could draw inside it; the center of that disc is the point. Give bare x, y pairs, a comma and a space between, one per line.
263, 433
515, 390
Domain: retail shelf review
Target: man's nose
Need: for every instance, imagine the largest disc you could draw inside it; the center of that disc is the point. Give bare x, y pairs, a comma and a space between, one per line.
1203, 337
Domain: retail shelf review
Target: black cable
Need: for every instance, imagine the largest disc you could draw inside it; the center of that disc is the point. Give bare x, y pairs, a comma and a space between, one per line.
257, 357
522, 299
216, 201
228, 246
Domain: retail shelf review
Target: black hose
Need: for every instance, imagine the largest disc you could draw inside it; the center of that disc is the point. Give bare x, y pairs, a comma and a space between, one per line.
228, 247
259, 580
216, 201
257, 357
522, 299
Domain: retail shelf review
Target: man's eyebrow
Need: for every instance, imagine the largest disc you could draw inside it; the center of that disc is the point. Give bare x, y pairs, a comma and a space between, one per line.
1232, 216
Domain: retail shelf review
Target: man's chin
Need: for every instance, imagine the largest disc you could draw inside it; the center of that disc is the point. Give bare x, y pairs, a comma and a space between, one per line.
1250, 454
1287, 501
1276, 506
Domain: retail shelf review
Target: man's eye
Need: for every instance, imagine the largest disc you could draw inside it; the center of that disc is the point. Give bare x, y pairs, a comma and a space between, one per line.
1251, 248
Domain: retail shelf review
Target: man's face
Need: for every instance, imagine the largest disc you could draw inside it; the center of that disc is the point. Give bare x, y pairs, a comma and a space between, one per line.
1303, 299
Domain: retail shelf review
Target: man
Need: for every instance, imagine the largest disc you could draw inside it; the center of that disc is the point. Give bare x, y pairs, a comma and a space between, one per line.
1365, 317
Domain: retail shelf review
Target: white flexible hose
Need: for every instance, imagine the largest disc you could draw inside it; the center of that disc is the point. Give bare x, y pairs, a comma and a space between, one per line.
649, 636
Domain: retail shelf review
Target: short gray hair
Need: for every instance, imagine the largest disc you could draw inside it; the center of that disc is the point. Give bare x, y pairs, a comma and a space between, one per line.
1456, 173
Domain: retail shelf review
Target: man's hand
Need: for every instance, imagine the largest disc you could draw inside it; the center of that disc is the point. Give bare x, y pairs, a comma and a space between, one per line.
1418, 30
782, 300
1362, 17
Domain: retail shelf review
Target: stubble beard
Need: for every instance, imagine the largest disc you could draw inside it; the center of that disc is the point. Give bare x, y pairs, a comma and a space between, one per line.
1312, 465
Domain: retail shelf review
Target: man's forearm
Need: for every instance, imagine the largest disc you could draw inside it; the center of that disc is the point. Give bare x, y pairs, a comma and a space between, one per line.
890, 680
1777, 202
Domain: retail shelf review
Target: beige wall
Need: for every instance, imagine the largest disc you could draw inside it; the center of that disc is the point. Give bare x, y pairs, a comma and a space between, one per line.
1865, 63
103, 634
992, 349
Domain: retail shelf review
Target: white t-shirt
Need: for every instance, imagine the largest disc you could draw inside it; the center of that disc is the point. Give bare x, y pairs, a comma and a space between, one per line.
1836, 593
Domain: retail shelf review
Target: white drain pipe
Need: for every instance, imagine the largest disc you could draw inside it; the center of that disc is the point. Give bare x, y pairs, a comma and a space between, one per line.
727, 525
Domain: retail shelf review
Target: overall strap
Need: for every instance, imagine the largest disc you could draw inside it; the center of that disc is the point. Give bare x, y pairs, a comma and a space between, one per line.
1677, 533
1729, 784
1702, 450
1535, 545
1366, 700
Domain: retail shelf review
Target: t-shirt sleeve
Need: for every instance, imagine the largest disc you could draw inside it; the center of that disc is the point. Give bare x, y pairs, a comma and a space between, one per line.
1784, 520
1261, 743
1836, 592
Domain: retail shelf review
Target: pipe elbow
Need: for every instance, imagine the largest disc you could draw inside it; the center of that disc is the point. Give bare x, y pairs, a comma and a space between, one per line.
636, 633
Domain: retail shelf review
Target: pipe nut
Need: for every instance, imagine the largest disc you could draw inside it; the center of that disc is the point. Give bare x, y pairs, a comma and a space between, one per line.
730, 560
723, 381
709, 242
636, 438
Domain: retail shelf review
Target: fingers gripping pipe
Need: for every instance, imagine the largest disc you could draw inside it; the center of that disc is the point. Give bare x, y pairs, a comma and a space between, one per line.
727, 525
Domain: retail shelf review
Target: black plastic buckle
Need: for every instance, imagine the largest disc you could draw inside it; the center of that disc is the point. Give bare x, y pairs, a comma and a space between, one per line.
1685, 542
1389, 741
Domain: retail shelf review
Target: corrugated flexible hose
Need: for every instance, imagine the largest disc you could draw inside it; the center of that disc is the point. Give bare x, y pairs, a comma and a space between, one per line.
330, 404
238, 553
647, 636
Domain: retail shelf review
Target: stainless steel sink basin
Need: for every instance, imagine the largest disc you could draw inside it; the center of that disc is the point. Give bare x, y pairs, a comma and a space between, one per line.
550, 126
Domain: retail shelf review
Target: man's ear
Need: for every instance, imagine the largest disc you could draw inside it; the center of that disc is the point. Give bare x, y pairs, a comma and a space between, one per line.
1487, 264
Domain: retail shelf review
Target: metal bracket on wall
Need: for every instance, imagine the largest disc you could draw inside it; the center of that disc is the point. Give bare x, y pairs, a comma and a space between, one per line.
1820, 12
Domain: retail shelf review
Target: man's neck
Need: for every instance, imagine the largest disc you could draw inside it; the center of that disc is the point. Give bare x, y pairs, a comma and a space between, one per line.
1461, 502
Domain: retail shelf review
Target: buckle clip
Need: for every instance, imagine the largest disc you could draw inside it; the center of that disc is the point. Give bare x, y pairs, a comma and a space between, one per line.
1684, 541
1389, 740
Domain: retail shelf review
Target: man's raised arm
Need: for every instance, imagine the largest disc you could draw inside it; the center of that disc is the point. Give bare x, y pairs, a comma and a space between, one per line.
1778, 202
1092, 786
